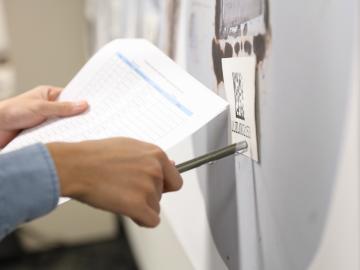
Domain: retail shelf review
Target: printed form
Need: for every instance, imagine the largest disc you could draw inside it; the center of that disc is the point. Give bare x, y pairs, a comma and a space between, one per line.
135, 91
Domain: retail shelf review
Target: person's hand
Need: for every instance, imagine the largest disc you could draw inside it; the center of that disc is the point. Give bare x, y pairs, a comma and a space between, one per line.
31, 109
121, 175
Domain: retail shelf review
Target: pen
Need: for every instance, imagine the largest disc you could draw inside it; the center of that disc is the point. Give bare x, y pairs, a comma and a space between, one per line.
237, 148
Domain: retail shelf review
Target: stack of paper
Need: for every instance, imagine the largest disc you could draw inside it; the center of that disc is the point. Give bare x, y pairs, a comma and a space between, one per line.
134, 90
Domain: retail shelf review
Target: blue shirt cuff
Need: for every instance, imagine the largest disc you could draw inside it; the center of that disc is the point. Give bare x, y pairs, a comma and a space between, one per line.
29, 186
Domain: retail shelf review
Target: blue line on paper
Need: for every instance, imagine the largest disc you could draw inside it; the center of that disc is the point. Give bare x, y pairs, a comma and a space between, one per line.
165, 94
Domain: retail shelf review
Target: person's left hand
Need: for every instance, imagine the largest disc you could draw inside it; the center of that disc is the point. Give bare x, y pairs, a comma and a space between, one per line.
32, 108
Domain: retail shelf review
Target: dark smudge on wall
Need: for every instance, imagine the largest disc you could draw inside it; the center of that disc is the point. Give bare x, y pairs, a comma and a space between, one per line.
217, 55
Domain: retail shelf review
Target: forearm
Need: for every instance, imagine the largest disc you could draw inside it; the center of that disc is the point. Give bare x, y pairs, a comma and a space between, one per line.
71, 166
5, 135
3, 114
28, 186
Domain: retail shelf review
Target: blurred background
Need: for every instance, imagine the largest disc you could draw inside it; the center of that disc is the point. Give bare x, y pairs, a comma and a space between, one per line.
47, 42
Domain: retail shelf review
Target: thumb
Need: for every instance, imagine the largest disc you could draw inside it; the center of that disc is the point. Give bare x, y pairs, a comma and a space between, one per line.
62, 109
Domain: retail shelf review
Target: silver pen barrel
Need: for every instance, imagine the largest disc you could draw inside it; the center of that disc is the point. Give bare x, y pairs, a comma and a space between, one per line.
237, 148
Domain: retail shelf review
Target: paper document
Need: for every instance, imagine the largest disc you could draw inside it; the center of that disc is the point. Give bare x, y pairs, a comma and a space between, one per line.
135, 91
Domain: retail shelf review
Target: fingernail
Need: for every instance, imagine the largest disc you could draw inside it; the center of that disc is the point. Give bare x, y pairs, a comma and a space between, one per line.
80, 105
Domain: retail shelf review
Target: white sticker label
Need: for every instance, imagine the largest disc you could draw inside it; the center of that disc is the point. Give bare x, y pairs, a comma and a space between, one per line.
239, 80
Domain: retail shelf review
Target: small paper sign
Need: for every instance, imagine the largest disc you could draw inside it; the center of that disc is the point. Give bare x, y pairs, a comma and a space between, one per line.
239, 80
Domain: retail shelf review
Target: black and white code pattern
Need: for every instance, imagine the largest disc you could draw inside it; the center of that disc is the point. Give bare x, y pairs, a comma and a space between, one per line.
239, 95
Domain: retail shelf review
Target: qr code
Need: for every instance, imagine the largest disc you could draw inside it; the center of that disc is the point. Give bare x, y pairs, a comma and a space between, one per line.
239, 95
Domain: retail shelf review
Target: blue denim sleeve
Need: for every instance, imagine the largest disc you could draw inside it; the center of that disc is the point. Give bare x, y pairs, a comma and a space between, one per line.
29, 186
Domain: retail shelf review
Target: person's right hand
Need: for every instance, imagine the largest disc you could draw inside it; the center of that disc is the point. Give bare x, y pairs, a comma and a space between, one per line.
121, 175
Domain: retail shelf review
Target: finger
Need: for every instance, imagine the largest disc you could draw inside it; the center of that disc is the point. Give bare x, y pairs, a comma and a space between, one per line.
147, 218
172, 178
53, 93
62, 109
153, 202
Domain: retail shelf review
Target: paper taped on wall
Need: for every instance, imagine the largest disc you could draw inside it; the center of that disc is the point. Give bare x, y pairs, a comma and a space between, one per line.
239, 80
